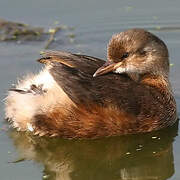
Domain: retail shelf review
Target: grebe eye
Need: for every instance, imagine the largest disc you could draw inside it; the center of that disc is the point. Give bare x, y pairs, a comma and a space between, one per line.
125, 55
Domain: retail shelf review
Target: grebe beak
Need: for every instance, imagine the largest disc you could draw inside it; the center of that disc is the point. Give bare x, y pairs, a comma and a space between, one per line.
109, 66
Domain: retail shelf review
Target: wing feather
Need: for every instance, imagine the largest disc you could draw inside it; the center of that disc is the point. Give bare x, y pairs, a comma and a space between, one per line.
81, 62
74, 74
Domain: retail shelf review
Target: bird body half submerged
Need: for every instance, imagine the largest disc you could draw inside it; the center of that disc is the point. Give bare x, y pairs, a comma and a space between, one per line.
69, 98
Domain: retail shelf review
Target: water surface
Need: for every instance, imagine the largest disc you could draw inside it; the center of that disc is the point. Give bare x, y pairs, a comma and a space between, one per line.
151, 156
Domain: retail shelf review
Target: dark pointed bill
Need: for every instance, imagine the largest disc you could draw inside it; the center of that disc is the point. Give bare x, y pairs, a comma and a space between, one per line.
107, 67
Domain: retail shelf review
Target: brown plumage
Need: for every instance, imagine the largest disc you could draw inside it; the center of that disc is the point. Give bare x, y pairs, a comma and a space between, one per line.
81, 96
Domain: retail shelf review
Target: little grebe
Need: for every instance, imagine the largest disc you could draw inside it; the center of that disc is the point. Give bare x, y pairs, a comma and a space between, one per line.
81, 96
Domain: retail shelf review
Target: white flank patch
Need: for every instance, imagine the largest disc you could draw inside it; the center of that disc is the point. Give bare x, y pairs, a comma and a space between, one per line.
22, 107
44, 77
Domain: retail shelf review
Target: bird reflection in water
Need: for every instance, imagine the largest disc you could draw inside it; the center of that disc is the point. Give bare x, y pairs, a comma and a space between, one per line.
133, 157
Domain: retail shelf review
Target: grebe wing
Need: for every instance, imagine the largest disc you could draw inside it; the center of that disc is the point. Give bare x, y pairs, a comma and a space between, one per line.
74, 74
84, 63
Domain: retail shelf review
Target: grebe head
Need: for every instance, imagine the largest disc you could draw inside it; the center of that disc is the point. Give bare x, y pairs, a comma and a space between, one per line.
136, 52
